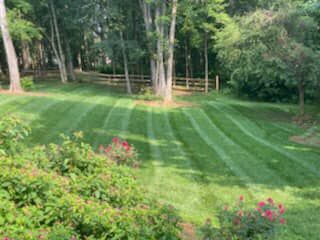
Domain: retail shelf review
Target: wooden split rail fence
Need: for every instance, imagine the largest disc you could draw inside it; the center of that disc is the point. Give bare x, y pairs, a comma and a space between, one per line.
138, 81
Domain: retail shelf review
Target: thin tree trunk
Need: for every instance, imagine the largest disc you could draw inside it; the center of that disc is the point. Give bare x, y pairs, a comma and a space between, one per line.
187, 63
15, 85
148, 25
160, 87
125, 63
26, 58
70, 62
301, 97
206, 63
79, 58
63, 74
62, 64
168, 94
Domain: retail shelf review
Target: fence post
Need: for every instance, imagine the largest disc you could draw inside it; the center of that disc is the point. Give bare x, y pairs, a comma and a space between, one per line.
217, 83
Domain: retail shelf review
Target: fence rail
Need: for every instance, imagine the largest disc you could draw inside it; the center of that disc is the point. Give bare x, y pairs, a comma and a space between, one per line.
137, 81
179, 83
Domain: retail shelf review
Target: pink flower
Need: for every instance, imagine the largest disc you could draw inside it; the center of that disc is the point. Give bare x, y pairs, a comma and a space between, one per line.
125, 144
108, 149
115, 140
261, 204
127, 148
101, 147
259, 209
282, 221
241, 198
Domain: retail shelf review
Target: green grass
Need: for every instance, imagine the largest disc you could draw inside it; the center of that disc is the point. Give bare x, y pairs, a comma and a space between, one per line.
198, 159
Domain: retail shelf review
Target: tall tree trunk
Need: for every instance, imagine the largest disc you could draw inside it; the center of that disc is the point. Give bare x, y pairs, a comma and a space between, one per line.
125, 63
15, 85
149, 25
206, 63
301, 97
79, 58
70, 61
160, 84
187, 62
61, 57
26, 58
168, 93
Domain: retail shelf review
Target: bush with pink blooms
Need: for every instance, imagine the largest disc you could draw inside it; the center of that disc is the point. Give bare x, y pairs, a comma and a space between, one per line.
121, 152
238, 223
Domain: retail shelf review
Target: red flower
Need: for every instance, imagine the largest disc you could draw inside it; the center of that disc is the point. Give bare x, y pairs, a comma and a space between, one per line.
281, 209
240, 214
270, 201
115, 140
125, 144
282, 221
259, 209
269, 214
261, 204
241, 198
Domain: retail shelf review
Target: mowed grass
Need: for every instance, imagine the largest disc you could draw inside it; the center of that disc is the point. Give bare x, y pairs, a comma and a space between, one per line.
196, 158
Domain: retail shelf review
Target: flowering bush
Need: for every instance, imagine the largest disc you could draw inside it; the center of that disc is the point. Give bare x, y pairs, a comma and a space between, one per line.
67, 192
120, 152
237, 223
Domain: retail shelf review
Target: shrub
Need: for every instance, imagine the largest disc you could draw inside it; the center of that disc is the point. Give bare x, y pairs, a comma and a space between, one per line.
66, 191
121, 152
72, 156
27, 83
240, 224
12, 132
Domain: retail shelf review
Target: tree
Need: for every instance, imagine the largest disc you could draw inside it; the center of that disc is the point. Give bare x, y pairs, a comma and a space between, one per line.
12, 61
160, 25
201, 21
271, 53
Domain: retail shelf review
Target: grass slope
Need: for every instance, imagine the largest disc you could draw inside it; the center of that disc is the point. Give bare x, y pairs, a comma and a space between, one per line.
197, 159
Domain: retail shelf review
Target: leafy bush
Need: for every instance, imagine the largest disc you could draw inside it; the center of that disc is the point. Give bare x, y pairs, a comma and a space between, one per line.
121, 152
146, 93
27, 83
66, 191
72, 156
12, 132
240, 224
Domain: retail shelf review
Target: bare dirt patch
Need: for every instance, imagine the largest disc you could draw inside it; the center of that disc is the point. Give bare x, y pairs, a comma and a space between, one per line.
311, 140
177, 92
164, 104
189, 231
31, 94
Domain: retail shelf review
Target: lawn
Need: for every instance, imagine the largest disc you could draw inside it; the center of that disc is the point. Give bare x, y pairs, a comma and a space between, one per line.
197, 158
